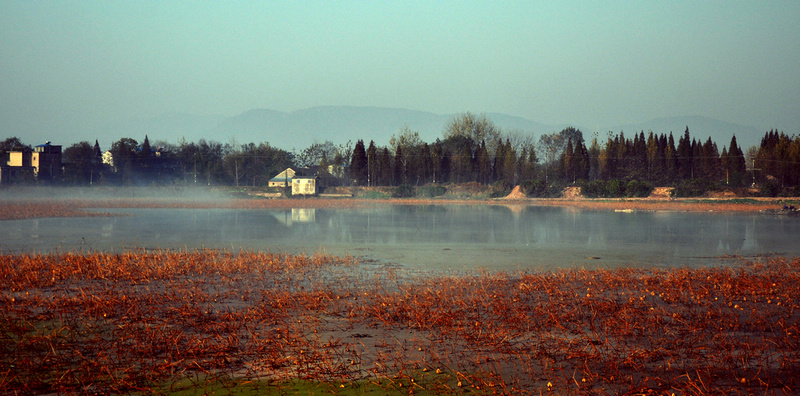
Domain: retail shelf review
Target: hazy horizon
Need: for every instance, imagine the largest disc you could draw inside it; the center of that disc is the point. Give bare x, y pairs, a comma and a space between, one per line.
72, 67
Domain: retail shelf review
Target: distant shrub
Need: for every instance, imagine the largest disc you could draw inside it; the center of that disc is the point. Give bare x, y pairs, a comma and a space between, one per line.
594, 189
404, 191
693, 188
534, 188
770, 189
638, 189
501, 188
616, 188
603, 189
538, 188
431, 191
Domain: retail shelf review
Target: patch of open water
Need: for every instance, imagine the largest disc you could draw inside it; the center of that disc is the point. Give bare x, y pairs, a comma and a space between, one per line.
491, 237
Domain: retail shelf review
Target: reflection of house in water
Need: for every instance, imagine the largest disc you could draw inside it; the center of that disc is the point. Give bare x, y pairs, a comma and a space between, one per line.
297, 216
304, 215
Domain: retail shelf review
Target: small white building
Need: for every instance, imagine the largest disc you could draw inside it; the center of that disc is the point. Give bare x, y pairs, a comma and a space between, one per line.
304, 185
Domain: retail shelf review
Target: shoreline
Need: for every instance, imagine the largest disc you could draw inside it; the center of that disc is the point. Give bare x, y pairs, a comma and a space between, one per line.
15, 209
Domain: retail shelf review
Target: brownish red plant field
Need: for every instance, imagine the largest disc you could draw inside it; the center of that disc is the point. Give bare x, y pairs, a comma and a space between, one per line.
128, 322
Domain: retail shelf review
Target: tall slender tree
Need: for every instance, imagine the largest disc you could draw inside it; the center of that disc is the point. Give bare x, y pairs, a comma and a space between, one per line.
373, 164
358, 164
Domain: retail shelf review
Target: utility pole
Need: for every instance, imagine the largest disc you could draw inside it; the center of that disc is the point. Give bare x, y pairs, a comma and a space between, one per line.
754, 169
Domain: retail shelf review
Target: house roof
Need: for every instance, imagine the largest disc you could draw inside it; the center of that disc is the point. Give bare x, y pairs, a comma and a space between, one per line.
289, 173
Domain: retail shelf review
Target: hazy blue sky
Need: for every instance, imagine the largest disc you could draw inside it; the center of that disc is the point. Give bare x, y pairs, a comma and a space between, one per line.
77, 64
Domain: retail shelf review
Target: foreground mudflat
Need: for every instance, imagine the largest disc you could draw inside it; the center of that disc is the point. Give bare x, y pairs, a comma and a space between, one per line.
144, 320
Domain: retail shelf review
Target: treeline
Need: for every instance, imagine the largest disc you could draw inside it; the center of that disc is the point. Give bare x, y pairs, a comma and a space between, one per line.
472, 149
128, 162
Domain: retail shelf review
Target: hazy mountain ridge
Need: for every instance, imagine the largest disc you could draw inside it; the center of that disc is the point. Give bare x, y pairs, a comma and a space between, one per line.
341, 124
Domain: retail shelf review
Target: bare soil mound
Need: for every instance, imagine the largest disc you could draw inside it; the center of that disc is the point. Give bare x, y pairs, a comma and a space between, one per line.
516, 193
661, 192
573, 193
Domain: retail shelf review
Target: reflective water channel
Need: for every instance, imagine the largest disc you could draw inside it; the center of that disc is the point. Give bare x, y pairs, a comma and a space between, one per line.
498, 237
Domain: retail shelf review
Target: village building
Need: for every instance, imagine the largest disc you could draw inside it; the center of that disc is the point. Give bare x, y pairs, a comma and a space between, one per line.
303, 181
283, 179
305, 185
42, 164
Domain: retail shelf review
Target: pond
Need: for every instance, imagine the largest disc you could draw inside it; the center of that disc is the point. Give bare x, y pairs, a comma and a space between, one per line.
457, 237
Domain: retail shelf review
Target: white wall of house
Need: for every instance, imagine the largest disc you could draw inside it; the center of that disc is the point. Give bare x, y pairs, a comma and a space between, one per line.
304, 186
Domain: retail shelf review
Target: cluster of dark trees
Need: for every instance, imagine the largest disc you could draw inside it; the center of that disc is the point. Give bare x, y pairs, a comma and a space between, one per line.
777, 161
472, 149
128, 162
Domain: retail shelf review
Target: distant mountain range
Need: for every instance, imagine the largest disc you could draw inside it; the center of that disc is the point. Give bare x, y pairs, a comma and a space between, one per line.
299, 129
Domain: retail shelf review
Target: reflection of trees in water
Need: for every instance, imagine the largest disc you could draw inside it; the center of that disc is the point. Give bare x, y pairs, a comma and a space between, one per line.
783, 232
727, 233
483, 226
486, 225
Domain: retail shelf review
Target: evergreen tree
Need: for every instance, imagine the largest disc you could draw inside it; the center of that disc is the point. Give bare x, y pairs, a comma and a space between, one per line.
594, 160
528, 160
146, 150
426, 164
358, 164
510, 164
684, 157
793, 157
736, 161
637, 164
483, 164
711, 162
373, 166
652, 155
399, 167
438, 158
498, 166
671, 160
622, 156
581, 162
98, 155
385, 174
609, 157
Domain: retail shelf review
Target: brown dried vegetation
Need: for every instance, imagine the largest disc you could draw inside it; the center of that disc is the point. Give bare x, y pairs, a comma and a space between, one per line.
131, 322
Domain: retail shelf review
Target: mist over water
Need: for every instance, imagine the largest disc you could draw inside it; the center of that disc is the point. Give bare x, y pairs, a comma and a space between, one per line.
179, 194
428, 237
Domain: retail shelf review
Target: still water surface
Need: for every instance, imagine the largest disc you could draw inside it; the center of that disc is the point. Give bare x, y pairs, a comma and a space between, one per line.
429, 237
